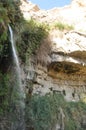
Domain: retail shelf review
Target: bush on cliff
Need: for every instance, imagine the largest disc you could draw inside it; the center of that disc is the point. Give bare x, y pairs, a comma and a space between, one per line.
45, 112
4, 93
31, 37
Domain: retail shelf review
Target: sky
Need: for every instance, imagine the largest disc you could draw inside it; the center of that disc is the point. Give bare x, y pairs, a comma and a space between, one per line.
49, 4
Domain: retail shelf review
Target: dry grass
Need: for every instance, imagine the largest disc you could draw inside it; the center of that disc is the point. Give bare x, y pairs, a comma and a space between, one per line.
44, 51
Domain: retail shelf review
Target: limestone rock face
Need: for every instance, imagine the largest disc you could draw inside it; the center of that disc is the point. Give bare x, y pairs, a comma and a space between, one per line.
80, 3
75, 13
62, 67
28, 9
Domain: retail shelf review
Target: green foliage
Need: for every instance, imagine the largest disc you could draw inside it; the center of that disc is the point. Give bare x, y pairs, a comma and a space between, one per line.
13, 11
31, 38
29, 33
75, 113
9, 14
4, 93
63, 26
43, 112
3, 24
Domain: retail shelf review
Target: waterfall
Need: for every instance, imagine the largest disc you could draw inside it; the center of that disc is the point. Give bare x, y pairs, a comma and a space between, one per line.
18, 91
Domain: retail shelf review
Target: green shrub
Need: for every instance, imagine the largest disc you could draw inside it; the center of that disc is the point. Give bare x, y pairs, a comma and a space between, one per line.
63, 26
43, 112
74, 112
4, 93
3, 24
9, 14
13, 11
31, 38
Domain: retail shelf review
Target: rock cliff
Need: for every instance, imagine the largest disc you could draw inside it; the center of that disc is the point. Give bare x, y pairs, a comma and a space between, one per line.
51, 46
60, 63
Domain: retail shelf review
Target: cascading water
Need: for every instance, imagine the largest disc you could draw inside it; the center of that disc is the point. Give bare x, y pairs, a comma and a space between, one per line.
18, 95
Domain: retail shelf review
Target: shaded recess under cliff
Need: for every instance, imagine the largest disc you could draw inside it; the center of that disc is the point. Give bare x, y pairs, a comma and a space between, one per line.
66, 68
